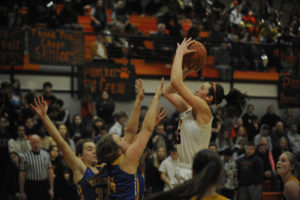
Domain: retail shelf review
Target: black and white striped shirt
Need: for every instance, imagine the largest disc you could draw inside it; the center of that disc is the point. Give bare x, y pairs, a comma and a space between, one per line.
36, 165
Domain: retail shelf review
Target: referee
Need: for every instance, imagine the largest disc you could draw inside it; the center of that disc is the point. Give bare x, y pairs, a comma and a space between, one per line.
36, 175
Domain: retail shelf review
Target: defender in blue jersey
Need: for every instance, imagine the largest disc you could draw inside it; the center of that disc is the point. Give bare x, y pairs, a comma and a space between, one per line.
121, 155
114, 184
83, 165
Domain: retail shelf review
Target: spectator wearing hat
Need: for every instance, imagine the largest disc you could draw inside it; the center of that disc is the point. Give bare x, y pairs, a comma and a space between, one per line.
269, 165
264, 132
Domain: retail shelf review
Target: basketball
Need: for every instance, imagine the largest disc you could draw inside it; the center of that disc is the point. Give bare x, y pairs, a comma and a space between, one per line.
196, 59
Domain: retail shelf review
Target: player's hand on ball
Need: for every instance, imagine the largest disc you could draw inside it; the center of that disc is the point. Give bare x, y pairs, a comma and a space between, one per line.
183, 48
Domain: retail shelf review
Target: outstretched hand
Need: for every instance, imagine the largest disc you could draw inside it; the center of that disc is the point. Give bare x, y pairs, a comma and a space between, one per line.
139, 89
183, 48
40, 106
160, 115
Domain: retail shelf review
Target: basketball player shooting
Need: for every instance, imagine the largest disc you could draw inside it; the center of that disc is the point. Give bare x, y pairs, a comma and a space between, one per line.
194, 128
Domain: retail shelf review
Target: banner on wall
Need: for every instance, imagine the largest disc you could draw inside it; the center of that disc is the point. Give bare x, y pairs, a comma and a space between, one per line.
289, 92
12, 46
56, 47
117, 79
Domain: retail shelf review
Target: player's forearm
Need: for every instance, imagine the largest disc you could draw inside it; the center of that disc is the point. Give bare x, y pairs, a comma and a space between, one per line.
169, 90
65, 148
150, 118
133, 122
149, 121
137, 148
176, 73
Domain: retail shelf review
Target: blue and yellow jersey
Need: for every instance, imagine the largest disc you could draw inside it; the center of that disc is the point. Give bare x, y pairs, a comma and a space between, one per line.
113, 184
123, 185
92, 188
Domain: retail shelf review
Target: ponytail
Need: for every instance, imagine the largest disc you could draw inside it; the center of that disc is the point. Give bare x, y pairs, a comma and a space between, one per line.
107, 149
236, 101
107, 152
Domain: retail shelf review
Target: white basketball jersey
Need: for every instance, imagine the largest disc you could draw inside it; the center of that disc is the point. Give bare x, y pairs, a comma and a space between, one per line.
191, 137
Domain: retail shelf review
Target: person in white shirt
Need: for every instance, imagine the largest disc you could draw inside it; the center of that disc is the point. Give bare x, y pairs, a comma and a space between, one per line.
167, 169
294, 138
235, 16
119, 125
20, 144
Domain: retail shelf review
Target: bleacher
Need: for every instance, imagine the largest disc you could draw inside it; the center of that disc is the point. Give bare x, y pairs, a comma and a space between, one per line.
148, 24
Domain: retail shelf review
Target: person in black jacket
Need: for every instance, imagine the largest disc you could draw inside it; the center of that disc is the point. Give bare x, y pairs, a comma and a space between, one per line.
99, 16
105, 107
270, 117
250, 122
12, 177
269, 165
58, 167
250, 174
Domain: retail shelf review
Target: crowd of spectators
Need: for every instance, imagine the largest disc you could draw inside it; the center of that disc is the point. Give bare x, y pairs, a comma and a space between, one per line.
239, 142
250, 31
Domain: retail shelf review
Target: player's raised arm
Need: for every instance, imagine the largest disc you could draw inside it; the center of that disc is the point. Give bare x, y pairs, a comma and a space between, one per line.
177, 77
171, 94
133, 121
135, 150
40, 107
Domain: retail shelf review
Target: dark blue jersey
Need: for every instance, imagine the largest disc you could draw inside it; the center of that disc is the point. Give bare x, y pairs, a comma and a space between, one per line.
92, 188
123, 185
114, 184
